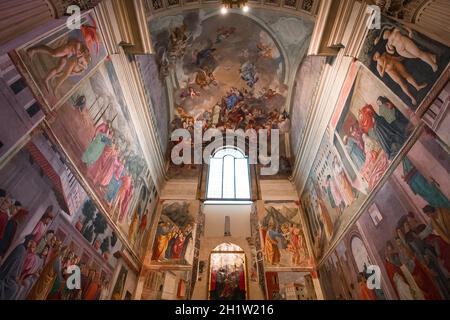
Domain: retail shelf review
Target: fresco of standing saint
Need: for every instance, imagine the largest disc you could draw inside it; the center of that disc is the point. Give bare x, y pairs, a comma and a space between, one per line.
94, 127
175, 234
47, 224
283, 238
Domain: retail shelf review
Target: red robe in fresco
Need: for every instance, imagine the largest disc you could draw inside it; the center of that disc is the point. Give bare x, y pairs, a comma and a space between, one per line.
177, 248
366, 293
443, 248
125, 194
425, 282
110, 165
213, 280
3, 222
242, 281
391, 270
366, 118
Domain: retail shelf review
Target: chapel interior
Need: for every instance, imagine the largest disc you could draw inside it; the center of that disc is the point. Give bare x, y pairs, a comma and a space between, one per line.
225, 149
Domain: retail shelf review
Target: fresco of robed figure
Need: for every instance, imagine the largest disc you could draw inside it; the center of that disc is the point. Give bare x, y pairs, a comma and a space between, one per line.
174, 239
228, 274
406, 232
283, 238
41, 235
330, 197
372, 128
94, 128
368, 129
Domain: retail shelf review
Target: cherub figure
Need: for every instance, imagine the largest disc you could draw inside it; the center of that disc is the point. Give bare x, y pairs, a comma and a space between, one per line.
223, 33
189, 92
267, 93
193, 93
205, 78
387, 63
183, 114
264, 50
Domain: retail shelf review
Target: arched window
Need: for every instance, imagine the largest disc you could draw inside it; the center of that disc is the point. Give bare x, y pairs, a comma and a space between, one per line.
227, 246
228, 176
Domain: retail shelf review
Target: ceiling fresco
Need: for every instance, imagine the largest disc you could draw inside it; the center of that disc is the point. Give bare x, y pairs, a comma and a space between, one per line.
229, 72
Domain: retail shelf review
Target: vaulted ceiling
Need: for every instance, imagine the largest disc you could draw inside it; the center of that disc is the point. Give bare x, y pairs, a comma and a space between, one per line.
233, 71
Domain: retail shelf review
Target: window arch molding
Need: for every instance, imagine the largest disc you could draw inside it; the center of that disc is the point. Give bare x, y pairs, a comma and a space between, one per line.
228, 175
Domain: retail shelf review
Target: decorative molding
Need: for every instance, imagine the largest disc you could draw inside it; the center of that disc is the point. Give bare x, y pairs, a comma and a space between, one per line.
342, 15
340, 24
326, 18
142, 25
357, 29
125, 25
108, 25
125, 256
59, 7
129, 75
164, 9
322, 109
429, 17
132, 86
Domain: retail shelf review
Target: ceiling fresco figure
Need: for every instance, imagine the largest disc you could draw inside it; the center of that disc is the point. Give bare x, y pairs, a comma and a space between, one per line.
224, 150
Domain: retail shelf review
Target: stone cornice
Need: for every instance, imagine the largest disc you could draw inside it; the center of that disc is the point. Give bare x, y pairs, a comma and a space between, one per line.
328, 92
300, 9
126, 33
131, 83
124, 24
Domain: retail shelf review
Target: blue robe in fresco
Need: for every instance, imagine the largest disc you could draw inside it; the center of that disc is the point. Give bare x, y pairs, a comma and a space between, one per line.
419, 185
356, 154
95, 149
389, 136
113, 187
10, 271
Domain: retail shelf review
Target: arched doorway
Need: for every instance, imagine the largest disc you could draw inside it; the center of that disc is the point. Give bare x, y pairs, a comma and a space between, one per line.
227, 273
360, 254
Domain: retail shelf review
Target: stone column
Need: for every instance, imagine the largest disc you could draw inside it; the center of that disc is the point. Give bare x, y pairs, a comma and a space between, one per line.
432, 18
429, 17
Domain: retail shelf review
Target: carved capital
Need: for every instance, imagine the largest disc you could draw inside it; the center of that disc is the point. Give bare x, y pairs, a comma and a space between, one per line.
60, 6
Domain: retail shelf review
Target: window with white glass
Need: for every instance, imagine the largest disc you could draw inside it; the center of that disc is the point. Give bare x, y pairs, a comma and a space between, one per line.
228, 176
